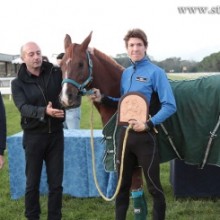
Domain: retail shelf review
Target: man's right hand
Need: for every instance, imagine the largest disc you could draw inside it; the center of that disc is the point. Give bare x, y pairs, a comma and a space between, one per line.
96, 96
56, 113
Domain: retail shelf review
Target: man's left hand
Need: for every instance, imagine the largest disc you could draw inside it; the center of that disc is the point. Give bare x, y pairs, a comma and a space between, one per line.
137, 125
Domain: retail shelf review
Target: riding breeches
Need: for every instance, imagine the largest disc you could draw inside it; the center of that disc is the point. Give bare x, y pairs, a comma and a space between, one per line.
141, 150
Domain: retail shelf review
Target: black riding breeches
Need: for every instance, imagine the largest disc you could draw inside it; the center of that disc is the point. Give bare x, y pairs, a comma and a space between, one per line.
141, 150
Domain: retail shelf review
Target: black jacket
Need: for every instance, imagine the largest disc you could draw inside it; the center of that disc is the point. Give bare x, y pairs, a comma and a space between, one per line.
31, 95
2, 127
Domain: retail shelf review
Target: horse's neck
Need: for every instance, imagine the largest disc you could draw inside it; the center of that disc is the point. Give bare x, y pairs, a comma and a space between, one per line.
106, 75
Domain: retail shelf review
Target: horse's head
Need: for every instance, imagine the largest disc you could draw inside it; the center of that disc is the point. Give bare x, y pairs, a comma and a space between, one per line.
76, 67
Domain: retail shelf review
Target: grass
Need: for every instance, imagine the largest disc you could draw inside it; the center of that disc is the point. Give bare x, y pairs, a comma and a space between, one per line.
96, 208
188, 76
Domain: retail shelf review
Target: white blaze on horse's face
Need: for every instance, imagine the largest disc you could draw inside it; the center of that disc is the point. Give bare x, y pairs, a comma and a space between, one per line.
64, 94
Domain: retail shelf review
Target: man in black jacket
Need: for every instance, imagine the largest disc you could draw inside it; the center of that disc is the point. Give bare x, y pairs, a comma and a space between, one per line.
35, 92
2, 131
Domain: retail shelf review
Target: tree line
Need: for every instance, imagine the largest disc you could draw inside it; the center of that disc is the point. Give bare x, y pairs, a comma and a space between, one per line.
209, 63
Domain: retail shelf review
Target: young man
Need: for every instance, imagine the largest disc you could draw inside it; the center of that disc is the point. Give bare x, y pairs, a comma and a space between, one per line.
141, 150
2, 131
35, 92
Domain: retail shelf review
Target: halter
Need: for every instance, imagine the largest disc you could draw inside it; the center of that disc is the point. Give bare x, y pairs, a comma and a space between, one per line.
82, 87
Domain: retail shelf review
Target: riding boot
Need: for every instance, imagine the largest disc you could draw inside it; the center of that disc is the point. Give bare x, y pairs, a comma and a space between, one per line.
139, 204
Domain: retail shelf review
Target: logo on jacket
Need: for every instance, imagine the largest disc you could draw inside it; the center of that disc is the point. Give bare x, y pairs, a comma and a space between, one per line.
141, 79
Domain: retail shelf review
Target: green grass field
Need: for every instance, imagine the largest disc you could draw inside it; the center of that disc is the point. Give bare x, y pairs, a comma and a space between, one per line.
97, 208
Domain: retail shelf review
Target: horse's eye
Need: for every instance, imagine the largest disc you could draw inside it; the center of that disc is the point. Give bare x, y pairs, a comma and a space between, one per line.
80, 64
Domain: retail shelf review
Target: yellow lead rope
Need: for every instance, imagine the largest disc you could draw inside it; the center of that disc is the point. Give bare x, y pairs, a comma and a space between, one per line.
94, 165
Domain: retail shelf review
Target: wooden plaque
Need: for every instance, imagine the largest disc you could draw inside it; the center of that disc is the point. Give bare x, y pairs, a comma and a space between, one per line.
133, 105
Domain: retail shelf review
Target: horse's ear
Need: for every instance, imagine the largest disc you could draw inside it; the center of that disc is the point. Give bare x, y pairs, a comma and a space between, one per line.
85, 43
67, 42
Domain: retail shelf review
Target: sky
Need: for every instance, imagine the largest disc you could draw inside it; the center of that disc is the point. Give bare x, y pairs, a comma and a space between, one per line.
170, 33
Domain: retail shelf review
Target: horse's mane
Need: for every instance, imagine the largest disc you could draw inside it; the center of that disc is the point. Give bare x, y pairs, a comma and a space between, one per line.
107, 59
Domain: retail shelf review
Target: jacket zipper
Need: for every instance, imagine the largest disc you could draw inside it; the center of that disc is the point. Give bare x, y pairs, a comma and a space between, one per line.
131, 78
46, 101
49, 119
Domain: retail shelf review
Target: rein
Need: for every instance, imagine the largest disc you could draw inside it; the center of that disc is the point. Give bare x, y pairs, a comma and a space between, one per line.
94, 165
127, 110
82, 87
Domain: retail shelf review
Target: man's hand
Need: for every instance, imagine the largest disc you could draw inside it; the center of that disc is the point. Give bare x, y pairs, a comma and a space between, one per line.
53, 112
1, 161
96, 96
137, 125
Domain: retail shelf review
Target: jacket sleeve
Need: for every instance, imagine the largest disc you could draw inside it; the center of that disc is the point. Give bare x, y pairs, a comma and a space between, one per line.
110, 101
2, 127
21, 102
166, 97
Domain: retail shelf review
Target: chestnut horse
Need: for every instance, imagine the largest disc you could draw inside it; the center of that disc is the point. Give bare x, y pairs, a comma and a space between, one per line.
85, 68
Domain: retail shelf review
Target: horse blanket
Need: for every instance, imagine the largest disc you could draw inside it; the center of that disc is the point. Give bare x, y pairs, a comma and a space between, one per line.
198, 109
189, 132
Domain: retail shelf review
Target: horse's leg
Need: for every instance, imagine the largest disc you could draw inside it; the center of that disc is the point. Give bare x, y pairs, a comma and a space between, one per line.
137, 180
137, 194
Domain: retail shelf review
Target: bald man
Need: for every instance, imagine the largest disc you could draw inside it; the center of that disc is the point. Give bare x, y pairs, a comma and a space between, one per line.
35, 92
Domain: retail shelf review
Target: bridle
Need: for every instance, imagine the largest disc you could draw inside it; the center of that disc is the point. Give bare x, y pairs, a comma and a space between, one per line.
82, 87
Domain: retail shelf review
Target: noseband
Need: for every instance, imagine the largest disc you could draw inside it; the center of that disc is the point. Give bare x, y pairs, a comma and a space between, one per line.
82, 87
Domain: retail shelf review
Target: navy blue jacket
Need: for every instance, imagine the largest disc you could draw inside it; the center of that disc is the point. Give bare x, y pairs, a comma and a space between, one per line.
31, 96
2, 127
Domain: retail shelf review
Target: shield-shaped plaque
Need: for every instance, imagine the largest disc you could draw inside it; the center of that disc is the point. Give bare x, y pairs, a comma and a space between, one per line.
132, 106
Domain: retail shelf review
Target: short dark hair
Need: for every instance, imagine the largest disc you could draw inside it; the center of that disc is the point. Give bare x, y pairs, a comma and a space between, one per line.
60, 56
136, 33
45, 58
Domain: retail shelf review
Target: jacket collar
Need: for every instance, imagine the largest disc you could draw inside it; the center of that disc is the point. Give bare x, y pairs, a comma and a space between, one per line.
137, 63
26, 76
